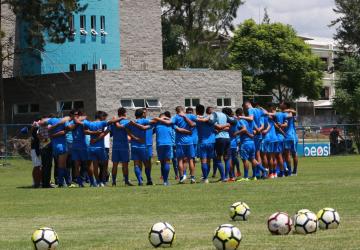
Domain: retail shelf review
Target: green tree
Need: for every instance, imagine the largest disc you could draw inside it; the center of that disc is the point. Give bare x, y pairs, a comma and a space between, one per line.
348, 24
274, 60
192, 32
347, 95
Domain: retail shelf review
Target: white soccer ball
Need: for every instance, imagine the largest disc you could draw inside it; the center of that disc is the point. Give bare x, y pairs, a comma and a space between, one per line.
306, 223
45, 238
279, 223
227, 237
239, 211
328, 218
301, 211
162, 234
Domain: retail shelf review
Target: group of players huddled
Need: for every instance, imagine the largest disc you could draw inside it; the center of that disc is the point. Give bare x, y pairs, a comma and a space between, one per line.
265, 138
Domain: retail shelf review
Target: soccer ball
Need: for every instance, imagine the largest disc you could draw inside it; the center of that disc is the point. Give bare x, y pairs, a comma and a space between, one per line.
227, 237
239, 211
279, 223
328, 218
301, 211
45, 238
162, 234
306, 223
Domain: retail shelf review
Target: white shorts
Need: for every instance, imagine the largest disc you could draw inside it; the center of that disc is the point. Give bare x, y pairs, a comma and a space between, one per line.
36, 160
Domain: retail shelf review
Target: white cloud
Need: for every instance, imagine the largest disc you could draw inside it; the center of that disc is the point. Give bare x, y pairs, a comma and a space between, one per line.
308, 17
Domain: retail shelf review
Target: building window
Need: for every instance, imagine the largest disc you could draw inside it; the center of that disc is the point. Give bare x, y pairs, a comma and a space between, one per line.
72, 24
192, 102
72, 67
93, 22
82, 22
26, 108
325, 93
104, 67
69, 105
325, 62
95, 66
223, 102
140, 103
102, 22
84, 67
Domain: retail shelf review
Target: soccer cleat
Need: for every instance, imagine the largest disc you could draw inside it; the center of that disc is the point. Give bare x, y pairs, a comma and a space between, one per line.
243, 180
253, 178
231, 180
238, 174
206, 181
101, 184
140, 184
176, 178
192, 180
149, 183
166, 184
129, 184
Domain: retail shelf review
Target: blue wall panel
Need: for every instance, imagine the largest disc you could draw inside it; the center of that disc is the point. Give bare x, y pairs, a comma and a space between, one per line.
83, 49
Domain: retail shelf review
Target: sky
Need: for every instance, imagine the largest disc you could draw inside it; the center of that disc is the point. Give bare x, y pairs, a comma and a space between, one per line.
308, 17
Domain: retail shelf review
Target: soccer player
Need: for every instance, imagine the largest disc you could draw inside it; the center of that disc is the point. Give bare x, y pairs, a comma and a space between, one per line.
269, 141
35, 155
247, 149
139, 152
120, 148
291, 138
56, 128
174, 159
206, 134
164, 144
184, 142
149, 146
235, 160
97, 153
281, 125
79, 148
254, 115
222, 143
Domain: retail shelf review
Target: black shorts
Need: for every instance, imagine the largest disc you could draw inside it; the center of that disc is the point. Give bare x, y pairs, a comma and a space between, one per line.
222, 147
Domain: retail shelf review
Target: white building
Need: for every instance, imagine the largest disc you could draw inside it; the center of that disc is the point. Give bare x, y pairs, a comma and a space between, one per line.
326, 49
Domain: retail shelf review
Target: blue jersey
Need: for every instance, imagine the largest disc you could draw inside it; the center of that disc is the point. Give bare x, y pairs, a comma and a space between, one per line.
96, 126
270, 136
79, 138
120, 136
220, 119
249, 125
149, 133
139, 133
163, 134
173, 135
206, 132
181, 138
234, 140
280, 118
194, 130
59, 139
290, 131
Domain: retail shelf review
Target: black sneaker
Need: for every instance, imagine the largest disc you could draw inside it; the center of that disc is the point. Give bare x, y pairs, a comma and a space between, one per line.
149, 183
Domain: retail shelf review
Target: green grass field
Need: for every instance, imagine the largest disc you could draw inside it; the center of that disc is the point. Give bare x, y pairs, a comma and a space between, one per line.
119, 218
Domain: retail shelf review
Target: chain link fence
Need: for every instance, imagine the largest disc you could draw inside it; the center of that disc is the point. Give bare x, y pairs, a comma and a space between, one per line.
314, 141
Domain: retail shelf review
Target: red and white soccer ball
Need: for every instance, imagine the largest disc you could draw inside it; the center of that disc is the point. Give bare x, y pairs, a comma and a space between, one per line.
279, 223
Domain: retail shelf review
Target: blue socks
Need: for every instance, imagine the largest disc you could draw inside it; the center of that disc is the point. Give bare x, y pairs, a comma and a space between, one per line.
246, 173
205, 170
165, 171
227, 168
79, 181
137, 171
67, 177
92, 181
220, 166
